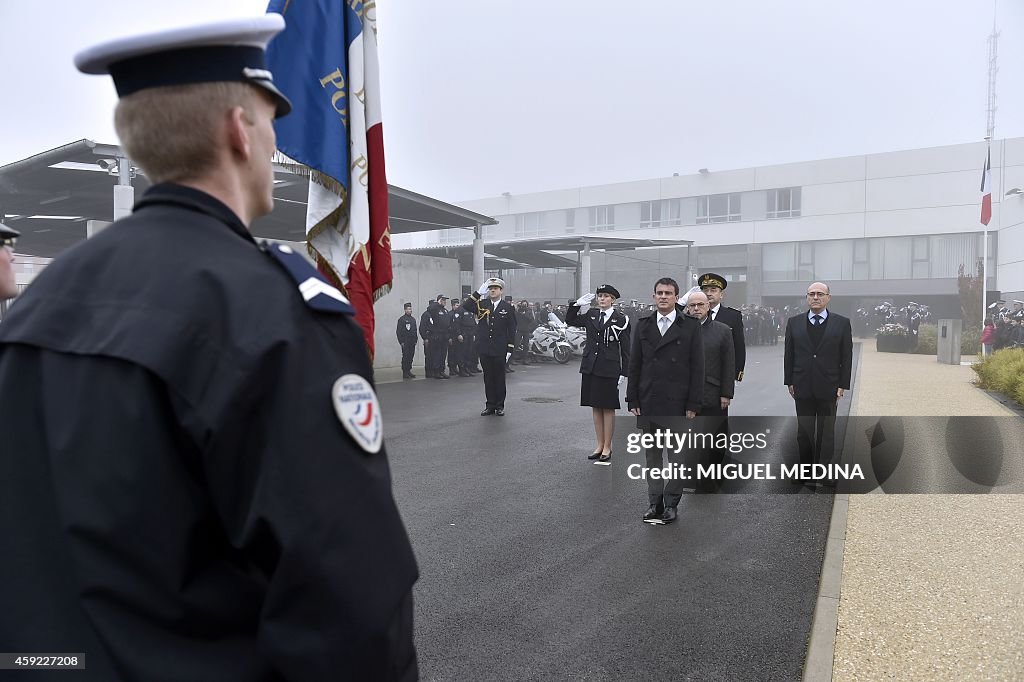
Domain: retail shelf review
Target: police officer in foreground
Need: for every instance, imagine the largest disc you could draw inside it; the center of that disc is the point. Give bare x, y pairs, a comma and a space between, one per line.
496, 325
714, 287
193, 483
8, 285
407, 336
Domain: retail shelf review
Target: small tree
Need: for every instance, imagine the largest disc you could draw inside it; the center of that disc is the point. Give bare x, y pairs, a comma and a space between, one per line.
970, 287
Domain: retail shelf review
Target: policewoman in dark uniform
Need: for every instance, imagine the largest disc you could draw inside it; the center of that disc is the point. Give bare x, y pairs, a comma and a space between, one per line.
193, 483
605, 361
496, 325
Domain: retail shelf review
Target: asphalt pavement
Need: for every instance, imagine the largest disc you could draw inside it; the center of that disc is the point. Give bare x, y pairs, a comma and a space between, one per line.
535, 564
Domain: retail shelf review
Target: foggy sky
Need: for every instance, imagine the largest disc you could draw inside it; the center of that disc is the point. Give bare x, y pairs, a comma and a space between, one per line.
484, 97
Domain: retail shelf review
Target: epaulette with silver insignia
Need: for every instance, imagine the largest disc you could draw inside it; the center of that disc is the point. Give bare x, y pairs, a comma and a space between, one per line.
316, 291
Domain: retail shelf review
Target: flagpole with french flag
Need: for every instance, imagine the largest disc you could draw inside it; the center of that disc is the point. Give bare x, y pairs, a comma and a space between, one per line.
325, 62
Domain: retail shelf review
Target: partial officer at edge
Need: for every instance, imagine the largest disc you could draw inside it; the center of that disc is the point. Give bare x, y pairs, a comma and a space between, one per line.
193, 484
8, 285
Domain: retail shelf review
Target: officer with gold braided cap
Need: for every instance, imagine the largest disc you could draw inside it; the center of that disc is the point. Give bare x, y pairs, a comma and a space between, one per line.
714, 287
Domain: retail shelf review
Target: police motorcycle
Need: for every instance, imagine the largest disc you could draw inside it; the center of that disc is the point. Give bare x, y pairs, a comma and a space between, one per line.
576, 337
548, 341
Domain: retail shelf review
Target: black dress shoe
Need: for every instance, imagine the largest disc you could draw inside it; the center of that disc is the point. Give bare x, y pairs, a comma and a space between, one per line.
499, 412
442, 375
604, 460
595, 455
654, 514
669, 516
464, 373
411, 376
489, 411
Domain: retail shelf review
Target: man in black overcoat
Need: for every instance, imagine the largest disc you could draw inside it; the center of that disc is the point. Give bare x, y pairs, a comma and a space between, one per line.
666, 379
818, 369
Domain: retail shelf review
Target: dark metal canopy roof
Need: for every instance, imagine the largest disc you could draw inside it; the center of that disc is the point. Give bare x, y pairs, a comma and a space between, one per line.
51, 195
533, 252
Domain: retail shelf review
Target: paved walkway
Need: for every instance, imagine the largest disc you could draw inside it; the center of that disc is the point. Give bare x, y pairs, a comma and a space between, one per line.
932, 585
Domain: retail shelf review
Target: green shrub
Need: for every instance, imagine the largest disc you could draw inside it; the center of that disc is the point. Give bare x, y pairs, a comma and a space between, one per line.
970, 341
1003, 371
927, 340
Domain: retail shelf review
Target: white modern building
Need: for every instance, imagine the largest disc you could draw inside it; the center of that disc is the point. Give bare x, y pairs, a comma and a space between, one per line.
893, 225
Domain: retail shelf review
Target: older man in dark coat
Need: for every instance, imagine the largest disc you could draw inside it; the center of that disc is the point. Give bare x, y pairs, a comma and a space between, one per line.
666, 379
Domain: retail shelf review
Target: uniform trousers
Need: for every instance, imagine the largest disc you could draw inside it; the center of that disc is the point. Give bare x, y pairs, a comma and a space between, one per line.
437, 349
408, 352
494, 380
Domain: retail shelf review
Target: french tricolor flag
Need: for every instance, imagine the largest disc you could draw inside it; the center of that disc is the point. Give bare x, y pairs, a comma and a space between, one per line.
986, 190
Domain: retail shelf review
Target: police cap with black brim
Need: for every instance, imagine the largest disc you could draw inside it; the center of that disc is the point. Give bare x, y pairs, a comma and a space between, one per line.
224, 51
8, 232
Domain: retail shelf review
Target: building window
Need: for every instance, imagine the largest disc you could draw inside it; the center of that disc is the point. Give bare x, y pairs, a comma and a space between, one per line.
570, 220
861, 269
528, 225
675, 212
602, 218
650, 214
778, 262
919, 268
784, 203
718, 208
456, 236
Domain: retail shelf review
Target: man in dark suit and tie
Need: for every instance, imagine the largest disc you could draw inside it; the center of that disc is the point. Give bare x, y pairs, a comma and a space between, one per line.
666, 379
818, 368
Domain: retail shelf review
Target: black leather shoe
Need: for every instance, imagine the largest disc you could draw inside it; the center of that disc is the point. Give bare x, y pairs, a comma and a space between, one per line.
464, 373
595, 455
442, 375
489, 411
654, 514
604, 460
411, 376
669, 516
499, 412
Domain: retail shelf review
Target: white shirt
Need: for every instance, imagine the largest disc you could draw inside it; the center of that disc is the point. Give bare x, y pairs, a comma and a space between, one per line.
811, 314
713, 313
663, 327
605, 314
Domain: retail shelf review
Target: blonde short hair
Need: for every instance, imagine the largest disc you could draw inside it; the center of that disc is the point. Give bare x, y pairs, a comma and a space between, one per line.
171, 132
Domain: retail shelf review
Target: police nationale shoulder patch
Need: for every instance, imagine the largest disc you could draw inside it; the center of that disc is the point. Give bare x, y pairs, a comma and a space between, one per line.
356, 405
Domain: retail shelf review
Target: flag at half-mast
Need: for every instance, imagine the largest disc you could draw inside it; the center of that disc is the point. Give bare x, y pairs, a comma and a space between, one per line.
986, 190
325, 62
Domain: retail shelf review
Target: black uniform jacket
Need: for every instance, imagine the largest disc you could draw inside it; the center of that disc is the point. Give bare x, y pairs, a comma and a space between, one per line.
719, 366
434, 322
816, 372
406, 329
666, 373
734, 318
496, 325
178, 498
607, 351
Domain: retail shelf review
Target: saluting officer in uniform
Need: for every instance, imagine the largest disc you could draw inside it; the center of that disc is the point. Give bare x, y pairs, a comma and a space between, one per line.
193, 483
714, 287
605, 362
407, 337
8, 284
496, 324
